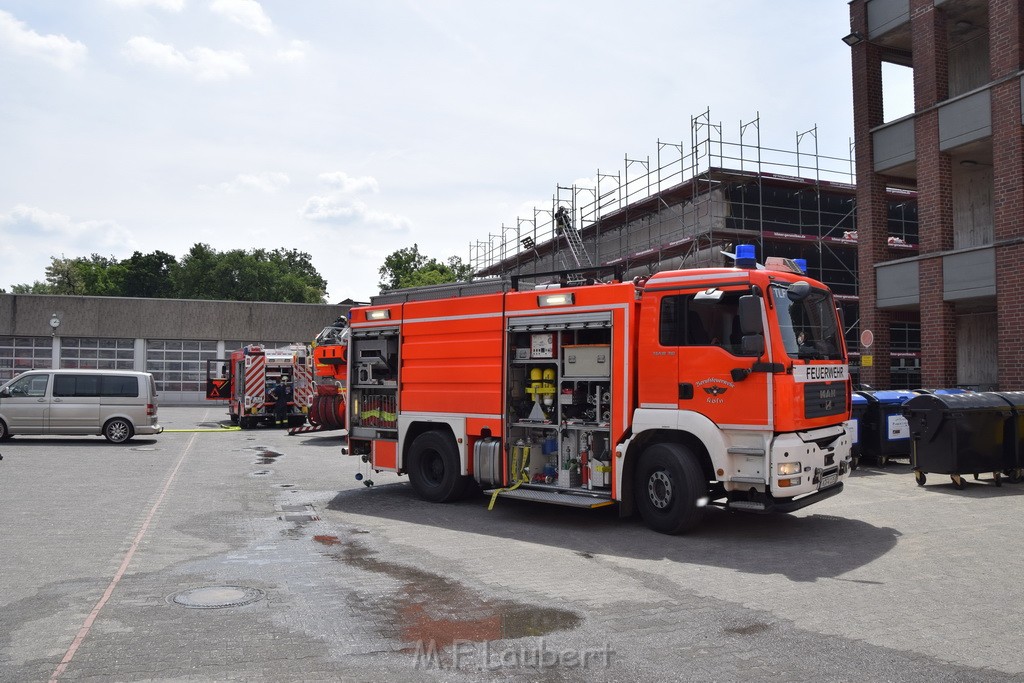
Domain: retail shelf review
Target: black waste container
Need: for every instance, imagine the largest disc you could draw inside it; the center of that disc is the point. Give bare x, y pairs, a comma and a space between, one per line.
884, 431
1015, 442
957, 434
860, 407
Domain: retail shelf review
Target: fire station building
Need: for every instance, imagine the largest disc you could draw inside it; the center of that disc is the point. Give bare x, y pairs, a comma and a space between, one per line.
170, 338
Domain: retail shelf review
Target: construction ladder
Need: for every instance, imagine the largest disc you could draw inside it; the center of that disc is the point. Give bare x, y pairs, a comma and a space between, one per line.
563, 223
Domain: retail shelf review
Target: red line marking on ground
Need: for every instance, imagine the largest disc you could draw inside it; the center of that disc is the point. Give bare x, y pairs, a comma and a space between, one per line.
89, 620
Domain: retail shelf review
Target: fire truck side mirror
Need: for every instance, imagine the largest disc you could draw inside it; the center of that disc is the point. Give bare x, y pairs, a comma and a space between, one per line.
750, 315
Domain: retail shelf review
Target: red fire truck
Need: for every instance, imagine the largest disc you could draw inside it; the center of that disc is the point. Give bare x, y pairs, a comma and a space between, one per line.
245, 380
718, 386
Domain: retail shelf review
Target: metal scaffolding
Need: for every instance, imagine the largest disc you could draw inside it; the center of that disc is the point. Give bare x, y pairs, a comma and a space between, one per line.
681, 207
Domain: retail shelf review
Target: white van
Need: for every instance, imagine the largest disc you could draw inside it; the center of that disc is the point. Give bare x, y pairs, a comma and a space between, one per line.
115, 403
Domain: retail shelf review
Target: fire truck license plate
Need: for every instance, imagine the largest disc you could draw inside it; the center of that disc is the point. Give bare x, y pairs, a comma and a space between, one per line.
828, 479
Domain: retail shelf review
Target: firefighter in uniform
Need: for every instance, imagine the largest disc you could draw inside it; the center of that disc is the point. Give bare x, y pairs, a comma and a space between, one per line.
282, 395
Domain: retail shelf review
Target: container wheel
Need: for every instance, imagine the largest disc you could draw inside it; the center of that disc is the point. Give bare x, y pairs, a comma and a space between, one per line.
1014, 475
958, 481
883, 460
920, 477
998, 478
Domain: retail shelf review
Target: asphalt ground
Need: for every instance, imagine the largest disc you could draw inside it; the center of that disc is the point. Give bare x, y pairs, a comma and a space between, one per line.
291, 569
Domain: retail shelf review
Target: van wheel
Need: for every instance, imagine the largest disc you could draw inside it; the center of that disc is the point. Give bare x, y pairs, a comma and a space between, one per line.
118, 430
4, 434
671, 490
434, 468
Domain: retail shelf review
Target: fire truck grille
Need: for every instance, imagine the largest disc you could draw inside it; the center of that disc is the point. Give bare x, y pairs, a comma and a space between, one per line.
822, 399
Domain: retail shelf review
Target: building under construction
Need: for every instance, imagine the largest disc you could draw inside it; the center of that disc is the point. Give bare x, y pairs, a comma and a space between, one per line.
693, 201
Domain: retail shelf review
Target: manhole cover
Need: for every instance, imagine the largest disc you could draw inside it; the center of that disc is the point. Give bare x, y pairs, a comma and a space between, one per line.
295, 508
216, 597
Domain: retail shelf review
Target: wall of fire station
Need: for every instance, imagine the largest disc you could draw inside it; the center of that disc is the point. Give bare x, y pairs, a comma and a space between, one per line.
173, 339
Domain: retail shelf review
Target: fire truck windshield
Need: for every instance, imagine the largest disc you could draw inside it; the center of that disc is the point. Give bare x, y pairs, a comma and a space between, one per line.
809, 326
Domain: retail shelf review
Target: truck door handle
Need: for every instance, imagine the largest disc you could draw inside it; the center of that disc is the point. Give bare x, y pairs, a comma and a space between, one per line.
685, 391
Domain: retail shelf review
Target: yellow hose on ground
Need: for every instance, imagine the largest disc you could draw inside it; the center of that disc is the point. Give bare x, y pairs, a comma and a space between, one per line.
520, 471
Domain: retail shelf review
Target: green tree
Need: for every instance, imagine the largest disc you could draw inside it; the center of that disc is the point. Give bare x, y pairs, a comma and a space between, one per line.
286, 275
148, 275
407, 267
254, 275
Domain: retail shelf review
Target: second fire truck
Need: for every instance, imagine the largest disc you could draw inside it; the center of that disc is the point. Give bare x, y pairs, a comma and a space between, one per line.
716, 386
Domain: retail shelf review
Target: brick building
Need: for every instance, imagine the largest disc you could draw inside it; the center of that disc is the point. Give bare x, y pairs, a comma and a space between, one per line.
962, 151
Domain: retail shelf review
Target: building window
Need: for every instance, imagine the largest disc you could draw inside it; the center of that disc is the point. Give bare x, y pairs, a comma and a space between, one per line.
90, 353
179, 366
18, 354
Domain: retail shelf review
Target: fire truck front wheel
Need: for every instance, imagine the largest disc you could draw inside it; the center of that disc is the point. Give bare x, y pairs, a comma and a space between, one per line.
434, 468
670, 489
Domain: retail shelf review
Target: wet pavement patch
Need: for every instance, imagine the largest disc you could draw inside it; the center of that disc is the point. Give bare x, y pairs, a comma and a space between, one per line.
748, 630
267, 457
216, 597
430, 607
327, 540
261, 473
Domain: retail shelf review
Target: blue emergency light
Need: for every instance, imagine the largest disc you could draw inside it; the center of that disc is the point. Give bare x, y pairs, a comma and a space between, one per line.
746, 256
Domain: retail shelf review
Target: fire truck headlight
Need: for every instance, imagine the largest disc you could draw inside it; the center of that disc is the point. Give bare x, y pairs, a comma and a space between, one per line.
789, 468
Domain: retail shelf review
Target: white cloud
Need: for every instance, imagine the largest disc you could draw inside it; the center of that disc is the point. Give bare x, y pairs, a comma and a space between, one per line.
342, 210
58, 50
268, 182
169, 5
201, 62
348, 185
295, 52
29, 235
246, 13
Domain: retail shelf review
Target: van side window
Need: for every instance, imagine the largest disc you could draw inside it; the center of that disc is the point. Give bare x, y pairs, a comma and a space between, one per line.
34, 385
112, 385
76, 385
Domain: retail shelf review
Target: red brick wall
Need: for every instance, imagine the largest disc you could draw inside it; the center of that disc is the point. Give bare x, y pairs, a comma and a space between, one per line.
1005, 57
872, 208
934, 193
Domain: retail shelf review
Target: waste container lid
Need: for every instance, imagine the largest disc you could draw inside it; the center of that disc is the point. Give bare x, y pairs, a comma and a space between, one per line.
860, 400
953, 391
1014, 398
962, 402
894, 396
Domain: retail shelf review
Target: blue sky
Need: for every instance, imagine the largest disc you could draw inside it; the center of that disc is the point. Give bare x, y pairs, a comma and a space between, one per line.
351, 129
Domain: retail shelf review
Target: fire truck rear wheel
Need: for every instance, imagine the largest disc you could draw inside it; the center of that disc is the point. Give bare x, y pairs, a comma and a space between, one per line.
434, 468
670, 488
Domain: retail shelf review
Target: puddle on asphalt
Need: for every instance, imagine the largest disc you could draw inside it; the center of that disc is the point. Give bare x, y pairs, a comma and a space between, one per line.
429, 607
266, 456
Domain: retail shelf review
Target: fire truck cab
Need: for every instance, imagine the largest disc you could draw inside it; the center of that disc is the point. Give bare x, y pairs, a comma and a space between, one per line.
716, 386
